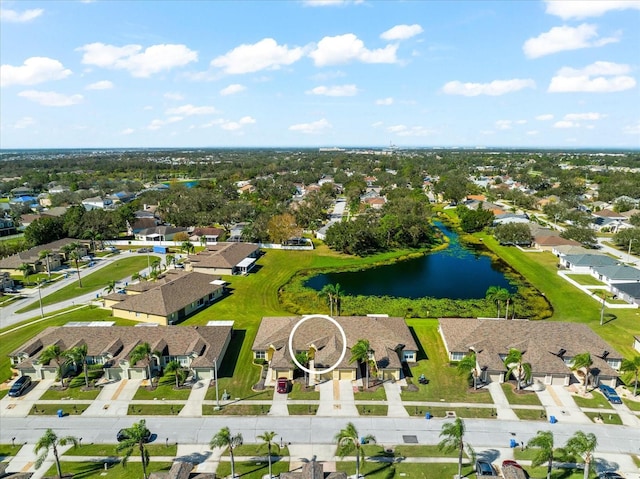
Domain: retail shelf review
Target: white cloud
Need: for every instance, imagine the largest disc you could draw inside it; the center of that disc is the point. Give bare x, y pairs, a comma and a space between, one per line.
100, 85
521, 122
13, 16
348, 47
138, 62
495, 88
402, 32
584, 116
127, 131
338, 90
266, 54
313, 127
232, 89
157, 124
545, 117
403, 130
24, 122
385, 101
565, 124
533, 132
633, 129
377, 124
564, 38
174, 96
591, 8
190, 110
237, 125
50, 98
599, 77
504, 124
34, 70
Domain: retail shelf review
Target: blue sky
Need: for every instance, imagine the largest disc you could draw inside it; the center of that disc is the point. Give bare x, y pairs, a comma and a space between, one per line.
529, 73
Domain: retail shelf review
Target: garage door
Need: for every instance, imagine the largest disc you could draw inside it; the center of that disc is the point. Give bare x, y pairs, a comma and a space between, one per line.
346, 375
137, 374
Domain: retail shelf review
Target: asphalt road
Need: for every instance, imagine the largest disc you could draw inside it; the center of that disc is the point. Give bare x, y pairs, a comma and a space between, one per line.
316, 430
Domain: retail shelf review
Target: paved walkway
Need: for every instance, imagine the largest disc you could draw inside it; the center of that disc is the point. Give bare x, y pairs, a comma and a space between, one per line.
558, 402
193, 406
336, 399
503, 408
279, 404
396, 408
114, 399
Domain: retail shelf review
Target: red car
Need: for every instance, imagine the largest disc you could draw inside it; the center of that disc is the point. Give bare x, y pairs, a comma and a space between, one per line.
509, 462
282, 385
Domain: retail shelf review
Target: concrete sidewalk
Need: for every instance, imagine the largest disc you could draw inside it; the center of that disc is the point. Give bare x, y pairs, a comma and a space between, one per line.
193, 406
503, 408
558, 402
394, 401
114, 399
336, 399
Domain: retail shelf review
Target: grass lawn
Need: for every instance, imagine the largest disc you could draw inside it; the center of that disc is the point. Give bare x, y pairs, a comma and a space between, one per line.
381, 470
298, 392
93, 281
423, 451
441, 412
372, 409
96, 470
237, 410
78, 392
598, 400
162, 391
7, 450
109, 450
302, 409
154, 409
52, 409
377, 394
253, 469
633, 405
266, 394
527, 398
585, 280
444, 380
606, 417
11, 341
531, 414
569, 303
259, 449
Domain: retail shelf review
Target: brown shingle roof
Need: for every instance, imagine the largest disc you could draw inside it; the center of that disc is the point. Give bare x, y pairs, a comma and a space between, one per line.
540, 339
170, 297
31, 255
223, 255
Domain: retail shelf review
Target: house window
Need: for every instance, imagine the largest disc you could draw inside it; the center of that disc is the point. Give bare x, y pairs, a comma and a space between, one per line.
409, 356
456, 356
614, 363
261, 354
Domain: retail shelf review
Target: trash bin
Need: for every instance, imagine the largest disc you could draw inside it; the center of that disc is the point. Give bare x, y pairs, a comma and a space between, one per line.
427, 416
60, 413
513, 443
552, 419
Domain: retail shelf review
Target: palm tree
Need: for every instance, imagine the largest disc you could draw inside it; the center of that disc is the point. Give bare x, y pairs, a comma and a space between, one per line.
328, 291
187, 247
506, 296
137, 276
267, 437
337, 294
75, 257
142, 352
584, 362
361, 352
493, 294
170, 259
26, 271
453, 434
44, 254
543, 441
349, 440
111, 286
176, 368
155, 264
224, 438
303, 358
521, 371
136, 436
54, 353
632, 366
50, 441
583, 445
469, 365
78, 355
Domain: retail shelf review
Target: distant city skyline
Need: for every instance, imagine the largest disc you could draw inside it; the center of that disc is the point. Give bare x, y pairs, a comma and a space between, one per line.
319, 73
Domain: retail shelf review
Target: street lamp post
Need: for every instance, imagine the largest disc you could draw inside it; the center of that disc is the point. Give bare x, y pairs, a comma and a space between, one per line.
215, 378
629, 252
604, 295
40, 298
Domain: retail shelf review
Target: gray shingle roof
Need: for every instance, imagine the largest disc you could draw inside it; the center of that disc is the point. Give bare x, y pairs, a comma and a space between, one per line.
223, 255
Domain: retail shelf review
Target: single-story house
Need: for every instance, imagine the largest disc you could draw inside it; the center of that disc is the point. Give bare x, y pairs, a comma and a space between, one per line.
97, 203
548, 346
206, 235
390, 340
7, 227
160, 233
224, 258
313, 470
620, 273
549, 242
630, 292
5, 281
196, 348
583, 263
562, 250
166, 301
510, 218
31, 257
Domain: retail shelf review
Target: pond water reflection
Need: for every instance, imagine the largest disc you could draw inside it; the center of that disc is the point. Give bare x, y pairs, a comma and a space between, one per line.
458, 272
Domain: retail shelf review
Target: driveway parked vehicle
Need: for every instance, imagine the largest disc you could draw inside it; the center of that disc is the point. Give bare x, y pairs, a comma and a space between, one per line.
610, 394
484, 469
20, 386
609, 475
282, 385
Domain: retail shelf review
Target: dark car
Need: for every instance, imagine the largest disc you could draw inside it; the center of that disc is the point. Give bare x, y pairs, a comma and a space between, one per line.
282, 386
610, 394
123, 436
20, 386
484, 468
609, 475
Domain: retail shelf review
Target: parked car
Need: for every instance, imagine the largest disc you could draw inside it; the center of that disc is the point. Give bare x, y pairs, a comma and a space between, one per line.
122, 435
282, 385
510, 463
610, 394
144, 250
484, 468
20, 386
609, 475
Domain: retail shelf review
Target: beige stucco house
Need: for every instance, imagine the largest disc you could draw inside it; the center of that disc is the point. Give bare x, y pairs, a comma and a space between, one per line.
224, 258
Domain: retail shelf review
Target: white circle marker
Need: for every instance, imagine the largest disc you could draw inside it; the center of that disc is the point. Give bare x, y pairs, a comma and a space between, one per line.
344, 343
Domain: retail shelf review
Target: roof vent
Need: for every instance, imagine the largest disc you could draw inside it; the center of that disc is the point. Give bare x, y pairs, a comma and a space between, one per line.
561, 352
604, 354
